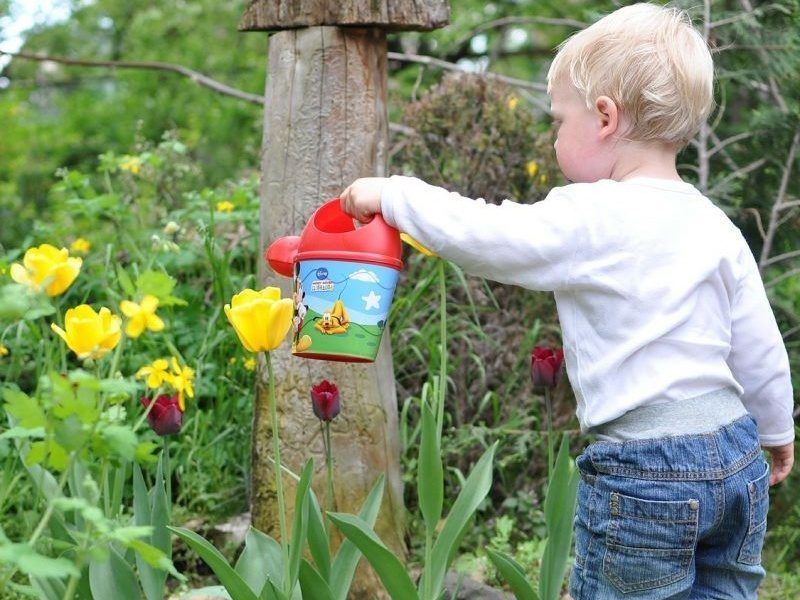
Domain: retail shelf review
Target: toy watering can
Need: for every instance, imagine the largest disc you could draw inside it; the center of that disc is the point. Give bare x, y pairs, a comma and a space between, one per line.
344, 280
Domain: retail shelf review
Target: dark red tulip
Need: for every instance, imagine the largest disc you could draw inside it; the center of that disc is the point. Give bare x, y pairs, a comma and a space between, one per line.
165, 417
546, 366
325, 400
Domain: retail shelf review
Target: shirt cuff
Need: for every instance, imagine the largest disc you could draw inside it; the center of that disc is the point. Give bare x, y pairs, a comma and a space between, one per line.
777, 439
390, 194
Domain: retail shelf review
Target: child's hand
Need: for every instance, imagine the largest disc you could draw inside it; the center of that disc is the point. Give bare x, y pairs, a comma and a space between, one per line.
782, 461
362, 198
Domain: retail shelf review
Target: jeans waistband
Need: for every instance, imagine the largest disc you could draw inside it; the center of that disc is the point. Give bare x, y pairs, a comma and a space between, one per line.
704, 456
701, 414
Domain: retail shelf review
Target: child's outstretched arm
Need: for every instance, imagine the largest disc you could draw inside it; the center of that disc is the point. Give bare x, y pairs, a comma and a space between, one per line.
759, 362
530, 245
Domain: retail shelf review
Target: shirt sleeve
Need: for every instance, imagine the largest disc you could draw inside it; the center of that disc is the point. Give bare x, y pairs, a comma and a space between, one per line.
530, 245
758, 357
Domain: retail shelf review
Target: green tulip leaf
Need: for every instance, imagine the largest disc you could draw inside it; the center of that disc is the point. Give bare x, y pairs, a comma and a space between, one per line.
430, 473
472, 494
299, 524
513, 574
318, 537
391, 571
348, 555
150, 577
559, 510
312, 584
232, 581
113, 578
262, 558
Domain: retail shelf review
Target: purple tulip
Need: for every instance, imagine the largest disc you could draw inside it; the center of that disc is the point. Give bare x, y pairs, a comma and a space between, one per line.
325, 400
165, 417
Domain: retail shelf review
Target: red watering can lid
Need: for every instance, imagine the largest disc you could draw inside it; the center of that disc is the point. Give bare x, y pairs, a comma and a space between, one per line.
332, 234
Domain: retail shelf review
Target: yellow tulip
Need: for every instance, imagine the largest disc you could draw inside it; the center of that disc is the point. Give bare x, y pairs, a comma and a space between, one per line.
261, 319
156, 373
81, 246
416, 245
182, 378
47, 266
225, 206
141, 316
89, 334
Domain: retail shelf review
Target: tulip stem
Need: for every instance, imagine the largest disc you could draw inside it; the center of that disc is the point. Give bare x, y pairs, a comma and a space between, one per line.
549, 409
276, 450
442, 351
329, 465
167, 473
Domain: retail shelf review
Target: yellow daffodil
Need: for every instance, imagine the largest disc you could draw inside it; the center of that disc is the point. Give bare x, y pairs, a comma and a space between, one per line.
156, 373
225, 206
250, 364
261, 319
532, 168
3, 350
141, 316
182, 378
132, 164
512, 102
416, 245
49, 267
81, 246
89, 334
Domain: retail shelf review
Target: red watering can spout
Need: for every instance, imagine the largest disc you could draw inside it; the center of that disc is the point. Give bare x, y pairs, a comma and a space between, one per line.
280, 255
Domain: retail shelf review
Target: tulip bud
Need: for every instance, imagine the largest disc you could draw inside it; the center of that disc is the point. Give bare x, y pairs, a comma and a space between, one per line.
165, 417
546, 366
325, 400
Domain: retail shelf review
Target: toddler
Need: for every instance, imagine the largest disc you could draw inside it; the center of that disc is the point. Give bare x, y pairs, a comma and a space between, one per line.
671, 346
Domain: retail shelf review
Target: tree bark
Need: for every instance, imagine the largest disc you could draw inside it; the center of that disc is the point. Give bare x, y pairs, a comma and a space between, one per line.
403, 15
325, 124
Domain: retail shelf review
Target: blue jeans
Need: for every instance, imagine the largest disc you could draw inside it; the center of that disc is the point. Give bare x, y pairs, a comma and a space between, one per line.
673, 517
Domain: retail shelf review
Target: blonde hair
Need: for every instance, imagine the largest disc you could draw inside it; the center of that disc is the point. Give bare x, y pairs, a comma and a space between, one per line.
651, 62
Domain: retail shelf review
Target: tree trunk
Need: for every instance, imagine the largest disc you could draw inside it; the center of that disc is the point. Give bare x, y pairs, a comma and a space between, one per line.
325, 124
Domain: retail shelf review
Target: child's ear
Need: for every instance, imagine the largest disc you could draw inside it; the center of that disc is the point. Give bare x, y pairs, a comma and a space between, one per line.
609, 116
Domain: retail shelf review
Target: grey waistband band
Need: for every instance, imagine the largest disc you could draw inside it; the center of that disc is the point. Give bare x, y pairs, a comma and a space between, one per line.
700, 414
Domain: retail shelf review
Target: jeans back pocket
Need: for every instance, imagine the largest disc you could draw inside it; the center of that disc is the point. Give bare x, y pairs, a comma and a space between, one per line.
758, 506
649, 543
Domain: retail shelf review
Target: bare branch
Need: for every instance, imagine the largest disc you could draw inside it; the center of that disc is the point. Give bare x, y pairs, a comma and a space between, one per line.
785, 335
443, 64
791, 204
731, 140
762, 53
505, 21
772, 226
782, 277
759, 222
195, 76
738, 173
404, 129
729, 20
780, 257
725, 156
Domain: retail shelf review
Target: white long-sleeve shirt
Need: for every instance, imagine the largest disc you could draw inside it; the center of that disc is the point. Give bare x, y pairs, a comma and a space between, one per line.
658, 295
